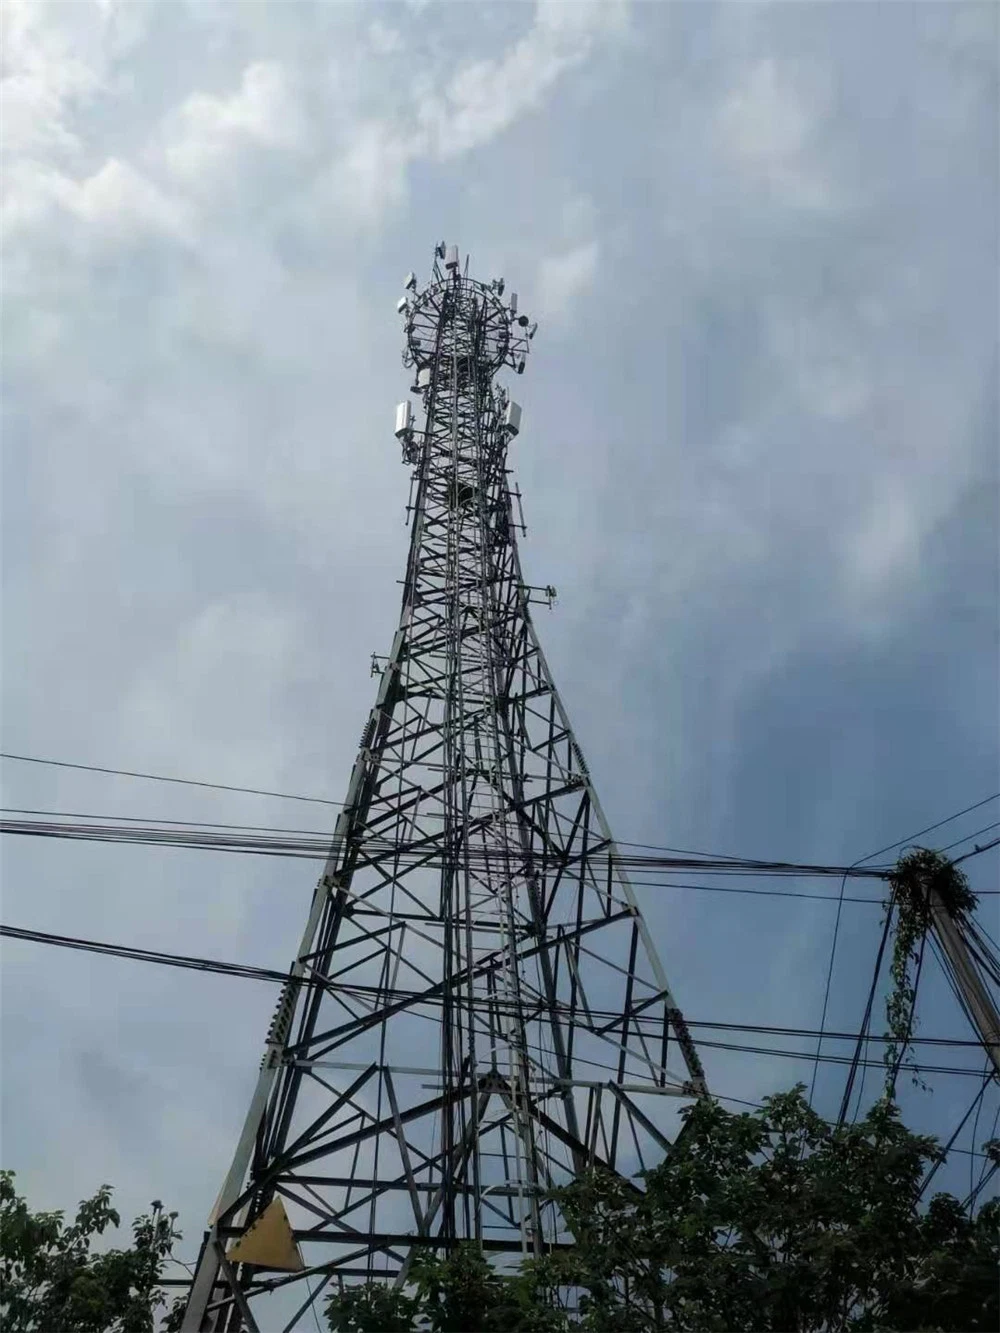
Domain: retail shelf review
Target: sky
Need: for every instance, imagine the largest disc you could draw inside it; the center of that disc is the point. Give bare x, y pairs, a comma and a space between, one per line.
758, 459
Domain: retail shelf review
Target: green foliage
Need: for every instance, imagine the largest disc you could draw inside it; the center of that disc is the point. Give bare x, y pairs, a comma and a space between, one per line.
458, 1293
462, 1292
776, 1220
50, 1280
916, 875
372, 1308
761, 1221
957, 1285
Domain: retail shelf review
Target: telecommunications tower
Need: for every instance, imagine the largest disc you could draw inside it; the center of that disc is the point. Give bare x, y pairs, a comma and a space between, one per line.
477, 1011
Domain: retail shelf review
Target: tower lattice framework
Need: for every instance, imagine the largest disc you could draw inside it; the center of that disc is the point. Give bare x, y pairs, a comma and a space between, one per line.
477, 1011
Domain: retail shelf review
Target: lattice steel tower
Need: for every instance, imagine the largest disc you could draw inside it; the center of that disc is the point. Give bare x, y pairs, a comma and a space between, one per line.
477, 1010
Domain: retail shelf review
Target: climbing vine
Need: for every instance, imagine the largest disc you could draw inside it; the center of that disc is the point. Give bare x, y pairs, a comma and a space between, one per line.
919, 876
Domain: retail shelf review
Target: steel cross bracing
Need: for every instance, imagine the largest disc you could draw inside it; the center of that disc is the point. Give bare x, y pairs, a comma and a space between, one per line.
471, 897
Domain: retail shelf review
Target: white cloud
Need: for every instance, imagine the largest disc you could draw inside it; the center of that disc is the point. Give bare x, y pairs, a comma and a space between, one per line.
885, 546
451, 113
583, 20
442, 115
370, 180
115, 204
765, 127
118, 200
56, 68
564, 279
385, 40
484, 97
263, 113
46, 76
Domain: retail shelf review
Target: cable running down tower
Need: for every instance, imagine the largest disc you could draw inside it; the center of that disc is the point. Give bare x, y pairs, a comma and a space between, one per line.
442, 1055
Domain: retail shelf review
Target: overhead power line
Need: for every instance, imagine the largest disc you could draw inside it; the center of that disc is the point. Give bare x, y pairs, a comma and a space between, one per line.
301, 844
977, 851
246, 839
930, 828
159, 777
251, 972
836, 927
322, 800
950, 1145
152, 820
969, 836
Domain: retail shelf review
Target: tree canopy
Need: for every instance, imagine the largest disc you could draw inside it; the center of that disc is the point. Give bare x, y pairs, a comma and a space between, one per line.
52, 1282
762, 1220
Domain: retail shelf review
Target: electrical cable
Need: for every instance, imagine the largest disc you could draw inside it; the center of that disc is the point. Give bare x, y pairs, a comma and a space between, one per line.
358, 990
980, 950
949, 1147
866, 1025
985, 829
865, 1022
930, 827
987, 1171
829, 980
159, 777
635, 881
977, 851
987, 936
320, 800
242, 839
211, 836
944, 962
151, 820
202, 839
975, 1130
840, 899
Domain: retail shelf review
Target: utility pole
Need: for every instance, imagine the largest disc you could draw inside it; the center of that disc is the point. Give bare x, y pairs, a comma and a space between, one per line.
477, 1011
976, 999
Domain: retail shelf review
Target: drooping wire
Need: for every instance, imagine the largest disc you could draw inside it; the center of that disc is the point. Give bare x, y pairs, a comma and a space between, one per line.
972, 1136
949, 1147
866, 1021
827, 987
989, 1167
989, 1170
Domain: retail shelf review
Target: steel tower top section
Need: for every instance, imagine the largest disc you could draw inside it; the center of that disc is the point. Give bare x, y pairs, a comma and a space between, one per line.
476, 314
459, 334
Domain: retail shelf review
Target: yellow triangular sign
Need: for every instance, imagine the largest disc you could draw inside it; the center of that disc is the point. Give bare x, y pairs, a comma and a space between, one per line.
269, 1243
